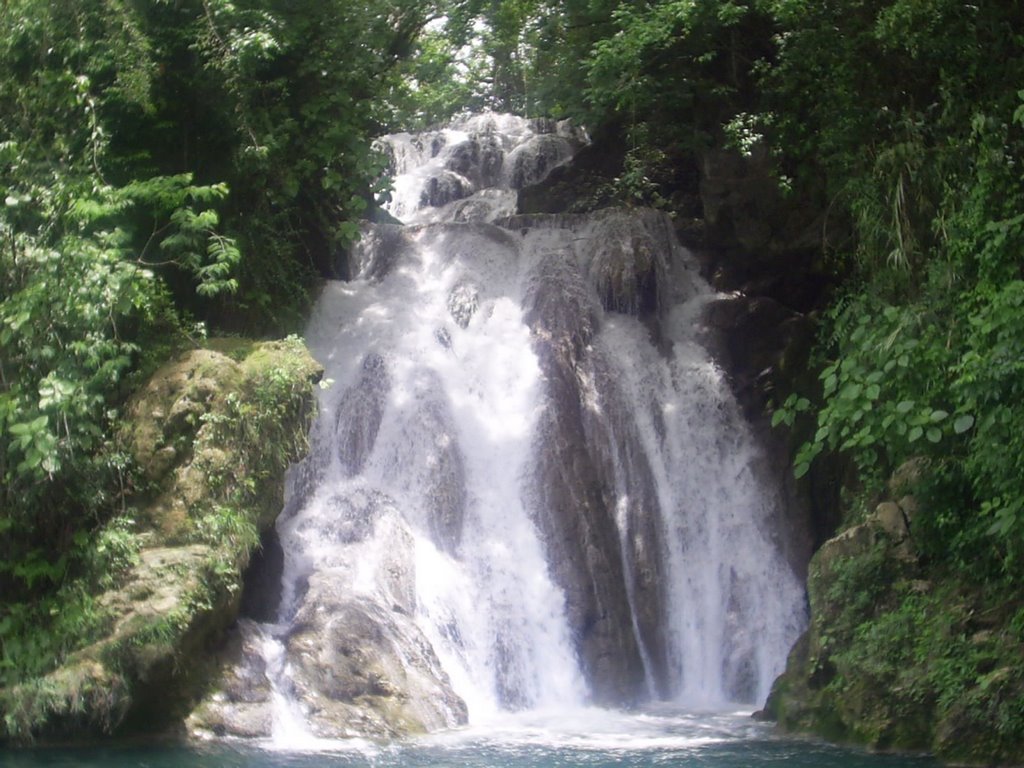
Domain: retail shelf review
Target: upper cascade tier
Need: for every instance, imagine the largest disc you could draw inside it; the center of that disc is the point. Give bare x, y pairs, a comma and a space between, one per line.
470, 171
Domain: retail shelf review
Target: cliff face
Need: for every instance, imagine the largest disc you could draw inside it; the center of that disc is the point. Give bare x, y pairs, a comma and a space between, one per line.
210, 434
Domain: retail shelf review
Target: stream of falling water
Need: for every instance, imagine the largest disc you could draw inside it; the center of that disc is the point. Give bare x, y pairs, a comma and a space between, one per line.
530, 488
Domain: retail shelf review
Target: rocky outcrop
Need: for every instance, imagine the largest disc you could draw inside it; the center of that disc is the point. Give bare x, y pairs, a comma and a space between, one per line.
211, 435
758, 340
534, 159
806, 697
578, 185
745, 209
573, 508
364, 669
890, 637
756, 246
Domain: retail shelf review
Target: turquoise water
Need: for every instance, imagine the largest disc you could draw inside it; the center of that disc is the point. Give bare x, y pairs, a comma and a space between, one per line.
592, 740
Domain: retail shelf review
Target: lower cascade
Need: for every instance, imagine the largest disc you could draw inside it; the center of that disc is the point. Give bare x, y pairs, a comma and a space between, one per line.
529, 486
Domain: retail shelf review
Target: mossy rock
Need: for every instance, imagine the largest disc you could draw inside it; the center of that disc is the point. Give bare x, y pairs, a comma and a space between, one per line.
903, 656
212, 437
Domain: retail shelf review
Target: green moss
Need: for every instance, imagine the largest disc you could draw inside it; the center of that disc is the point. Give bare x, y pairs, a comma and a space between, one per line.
235, 347
76, 699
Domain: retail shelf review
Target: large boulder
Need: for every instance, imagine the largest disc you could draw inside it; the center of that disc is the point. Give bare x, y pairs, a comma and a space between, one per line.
872, 555
211, 435
898, 655
364, 669
580, 184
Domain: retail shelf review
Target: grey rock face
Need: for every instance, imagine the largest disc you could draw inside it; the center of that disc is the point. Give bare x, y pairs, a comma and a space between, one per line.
364, 669
359, 421
573, 512
444, 189
573, 502
242, 704
614, 444
533, 160
360, 665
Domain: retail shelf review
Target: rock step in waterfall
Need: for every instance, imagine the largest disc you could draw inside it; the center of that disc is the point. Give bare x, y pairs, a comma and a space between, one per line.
529, 485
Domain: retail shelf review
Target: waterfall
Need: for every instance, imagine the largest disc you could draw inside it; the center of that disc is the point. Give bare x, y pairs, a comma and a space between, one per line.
529, 486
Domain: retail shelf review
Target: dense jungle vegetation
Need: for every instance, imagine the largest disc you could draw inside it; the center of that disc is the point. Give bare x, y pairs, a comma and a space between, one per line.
176, 167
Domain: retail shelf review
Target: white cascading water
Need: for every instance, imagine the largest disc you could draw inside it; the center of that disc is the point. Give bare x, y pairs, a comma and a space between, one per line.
419, 519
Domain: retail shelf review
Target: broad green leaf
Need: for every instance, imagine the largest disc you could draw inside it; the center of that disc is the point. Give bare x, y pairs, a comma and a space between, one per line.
851, 391
963, 423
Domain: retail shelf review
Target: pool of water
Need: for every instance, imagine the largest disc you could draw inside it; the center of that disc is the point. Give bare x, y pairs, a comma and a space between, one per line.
591, 738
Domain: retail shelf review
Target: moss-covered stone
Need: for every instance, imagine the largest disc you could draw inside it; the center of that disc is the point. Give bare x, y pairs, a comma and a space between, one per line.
900, 655
211, 436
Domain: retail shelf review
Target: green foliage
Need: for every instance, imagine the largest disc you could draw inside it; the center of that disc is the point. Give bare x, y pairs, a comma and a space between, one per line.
75, 692
185, 233
522, 56
886, 398
81, 302
490, 52
437, 82
36, 637
911, 661
118, 225
679, 67
923, 353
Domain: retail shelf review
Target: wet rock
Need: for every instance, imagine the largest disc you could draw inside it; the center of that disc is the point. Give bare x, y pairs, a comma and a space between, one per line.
364, 669
443, 337
572, 505
360, 411
463, 302
627, 265
242, 704
615, 445
431, 462
380, 247
582, 179
755, 338
534, 159
478, 159
445, 188
349, 518
353, 661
